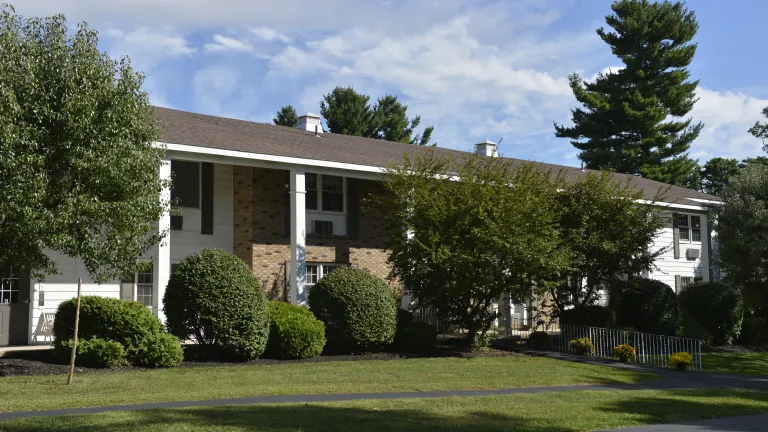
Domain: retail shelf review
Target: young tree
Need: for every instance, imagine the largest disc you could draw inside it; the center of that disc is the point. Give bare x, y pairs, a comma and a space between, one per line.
481, 228
760, 130
716, 174
286, 116
78, 170
742, 234
348, 112
625, 123
394, 125
607, 233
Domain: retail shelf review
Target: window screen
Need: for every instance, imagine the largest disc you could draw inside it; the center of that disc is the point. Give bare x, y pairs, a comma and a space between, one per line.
333, 193
696, 228
185, 186
144, 287
682, 224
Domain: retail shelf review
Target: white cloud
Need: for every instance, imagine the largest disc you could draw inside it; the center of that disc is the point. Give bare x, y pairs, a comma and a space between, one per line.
270, 35
161, 41
727, 116
224, 43
213, 87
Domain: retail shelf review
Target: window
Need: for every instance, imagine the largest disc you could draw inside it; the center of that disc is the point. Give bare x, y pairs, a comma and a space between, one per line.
177, 222
185, 186
9, 287
689, 227
685, 281
323, 227
315, 272
144, 287
324, 193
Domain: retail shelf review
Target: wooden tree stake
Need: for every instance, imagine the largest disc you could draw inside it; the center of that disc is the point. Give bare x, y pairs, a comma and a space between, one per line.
74, 339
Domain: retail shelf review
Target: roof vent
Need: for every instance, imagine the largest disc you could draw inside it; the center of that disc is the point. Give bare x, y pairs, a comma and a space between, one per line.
486, 148
310, 122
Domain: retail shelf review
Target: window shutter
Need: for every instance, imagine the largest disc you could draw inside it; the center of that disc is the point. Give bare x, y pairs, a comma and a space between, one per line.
678, 283
675, 236
206, 207
353, 208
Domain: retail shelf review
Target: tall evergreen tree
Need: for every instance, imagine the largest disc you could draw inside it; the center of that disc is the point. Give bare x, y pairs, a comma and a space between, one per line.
348, 112
716, 174
624, 123
286, 116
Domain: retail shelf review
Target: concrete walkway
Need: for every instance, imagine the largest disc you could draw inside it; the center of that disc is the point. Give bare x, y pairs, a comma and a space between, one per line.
753, 423
670, 380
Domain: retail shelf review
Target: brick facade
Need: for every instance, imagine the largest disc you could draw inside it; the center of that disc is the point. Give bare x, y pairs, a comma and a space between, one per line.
265, 245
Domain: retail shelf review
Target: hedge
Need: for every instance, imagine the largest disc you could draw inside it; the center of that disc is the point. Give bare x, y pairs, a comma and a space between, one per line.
717, 307
129, 323
294, 332
358, 309
647, 305
214, 298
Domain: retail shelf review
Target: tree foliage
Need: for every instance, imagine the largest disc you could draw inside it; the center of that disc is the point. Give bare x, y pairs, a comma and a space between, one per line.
624, 123
492, 232
760, 130
78, 170
742, 234
607, 233
348, 112
716, 174
286, 116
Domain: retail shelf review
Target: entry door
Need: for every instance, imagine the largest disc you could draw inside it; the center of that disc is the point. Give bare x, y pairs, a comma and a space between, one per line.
14, 308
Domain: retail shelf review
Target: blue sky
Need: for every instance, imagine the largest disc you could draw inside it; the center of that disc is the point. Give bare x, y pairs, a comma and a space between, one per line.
474, 69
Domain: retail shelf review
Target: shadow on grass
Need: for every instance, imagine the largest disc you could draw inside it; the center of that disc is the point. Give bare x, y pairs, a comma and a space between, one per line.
305, 418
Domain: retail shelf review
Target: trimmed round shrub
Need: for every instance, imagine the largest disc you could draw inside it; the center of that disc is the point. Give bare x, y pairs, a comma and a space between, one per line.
593, 316
294, 333
717, 307
693, 330
163, 350
214, 298
95, 353
582, 346
128, 323
539, 340
647, 305
358, 310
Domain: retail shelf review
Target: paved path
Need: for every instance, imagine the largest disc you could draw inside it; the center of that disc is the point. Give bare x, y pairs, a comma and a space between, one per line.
753, 423
670, 380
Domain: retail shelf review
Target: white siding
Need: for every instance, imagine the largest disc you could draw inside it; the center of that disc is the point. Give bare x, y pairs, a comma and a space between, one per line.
669, 266
189, 240
62, 287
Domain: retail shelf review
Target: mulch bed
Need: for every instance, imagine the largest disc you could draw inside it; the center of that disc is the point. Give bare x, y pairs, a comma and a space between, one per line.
43, 362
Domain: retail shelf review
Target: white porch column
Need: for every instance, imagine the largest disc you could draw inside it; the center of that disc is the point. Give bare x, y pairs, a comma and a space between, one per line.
162, 261
297, 273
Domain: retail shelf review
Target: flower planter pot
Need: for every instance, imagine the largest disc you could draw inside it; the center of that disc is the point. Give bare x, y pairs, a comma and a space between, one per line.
682, 367
623, 359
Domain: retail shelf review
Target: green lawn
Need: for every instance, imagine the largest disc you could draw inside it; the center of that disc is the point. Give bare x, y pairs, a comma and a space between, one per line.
556, 412
99, 389
751, 363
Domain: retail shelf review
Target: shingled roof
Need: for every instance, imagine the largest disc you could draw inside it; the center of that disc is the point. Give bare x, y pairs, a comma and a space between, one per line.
181, 127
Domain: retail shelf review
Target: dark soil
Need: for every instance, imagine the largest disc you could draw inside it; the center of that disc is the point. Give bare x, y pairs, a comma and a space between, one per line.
43, 362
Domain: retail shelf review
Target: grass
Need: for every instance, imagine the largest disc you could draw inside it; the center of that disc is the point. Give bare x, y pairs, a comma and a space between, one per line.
555, 412
100, 389
740, 363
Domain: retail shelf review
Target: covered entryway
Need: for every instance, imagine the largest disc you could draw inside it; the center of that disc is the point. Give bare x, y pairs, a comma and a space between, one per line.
14, 308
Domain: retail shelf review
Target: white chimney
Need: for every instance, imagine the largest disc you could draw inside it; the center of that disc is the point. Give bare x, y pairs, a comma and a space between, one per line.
310, 122
486, 148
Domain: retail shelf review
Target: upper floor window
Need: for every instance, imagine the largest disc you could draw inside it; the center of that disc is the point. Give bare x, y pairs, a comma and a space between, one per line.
690, 227
325, 193
185, 187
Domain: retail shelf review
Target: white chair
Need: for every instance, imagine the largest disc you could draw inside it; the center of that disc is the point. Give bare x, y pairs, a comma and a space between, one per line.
44, 327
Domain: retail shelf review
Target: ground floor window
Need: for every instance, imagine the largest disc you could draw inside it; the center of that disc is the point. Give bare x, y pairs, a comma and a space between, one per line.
145, 287
316, 271
9, 287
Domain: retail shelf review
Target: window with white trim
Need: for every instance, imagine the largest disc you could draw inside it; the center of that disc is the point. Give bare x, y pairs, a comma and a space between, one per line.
685, 281
145, 287
316, 271
689, 227
325, 193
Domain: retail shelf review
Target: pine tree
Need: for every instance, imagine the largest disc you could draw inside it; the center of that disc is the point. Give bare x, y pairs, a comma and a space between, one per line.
348, 112
394, 124
286, 116
624, 123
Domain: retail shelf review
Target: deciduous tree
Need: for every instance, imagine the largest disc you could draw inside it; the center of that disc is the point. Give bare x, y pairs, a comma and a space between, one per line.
492, 231
78, 170
630, 120
716, 174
